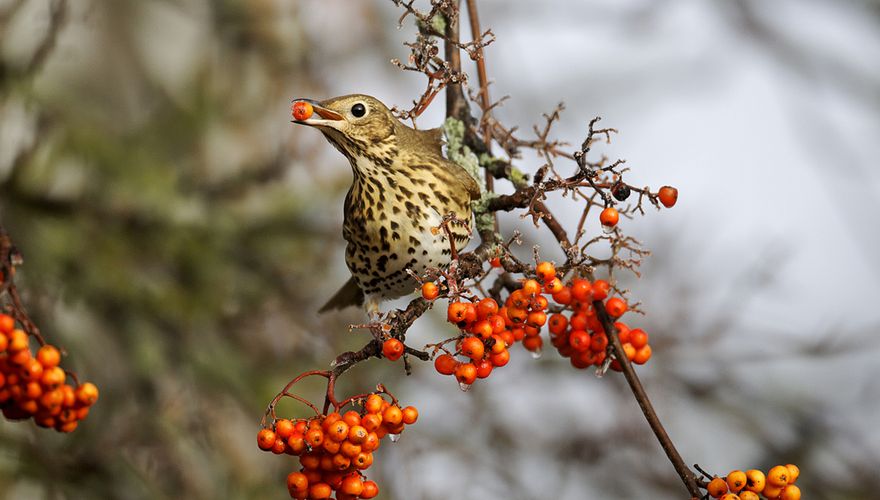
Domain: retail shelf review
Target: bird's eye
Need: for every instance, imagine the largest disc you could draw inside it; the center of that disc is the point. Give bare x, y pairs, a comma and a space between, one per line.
358, 110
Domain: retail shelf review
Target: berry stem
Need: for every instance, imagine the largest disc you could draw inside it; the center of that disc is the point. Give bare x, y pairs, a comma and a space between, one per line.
635, 385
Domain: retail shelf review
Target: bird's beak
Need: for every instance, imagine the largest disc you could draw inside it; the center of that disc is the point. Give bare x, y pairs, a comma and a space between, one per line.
311, 112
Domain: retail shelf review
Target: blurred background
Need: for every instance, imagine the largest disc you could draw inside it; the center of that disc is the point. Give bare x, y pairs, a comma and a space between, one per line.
179, 235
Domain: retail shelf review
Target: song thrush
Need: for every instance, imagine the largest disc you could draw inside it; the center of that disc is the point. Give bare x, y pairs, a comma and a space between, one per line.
402, 188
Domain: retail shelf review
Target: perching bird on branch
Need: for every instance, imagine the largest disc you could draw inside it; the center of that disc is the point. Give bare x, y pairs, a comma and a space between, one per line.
402, 188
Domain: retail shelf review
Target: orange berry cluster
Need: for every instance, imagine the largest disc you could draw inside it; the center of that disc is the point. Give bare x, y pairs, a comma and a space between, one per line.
777, 484
34, 385
489, 331
334, 449
579, 335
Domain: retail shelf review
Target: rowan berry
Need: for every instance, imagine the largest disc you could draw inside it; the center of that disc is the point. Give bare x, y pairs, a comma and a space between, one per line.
363, 460
517, 315
545, 270
539, 303
470, 313
615, 307
338, 431
638, 338
499, 345
410, 415
357, 433
778, 476
325, 424
297, 481
620, 191
456, 312
581, 360
371, 489
352, 485
563, 296
373, 404
749, 495
484, 368
623, 332
302, 110
279, 447
668, 196
554, 285
533, 343
430, 291
392, 349
793, 473
320, 491
557, 323
498, 323
32, 370
486, 307
536, 319
598, 342
392, 416
445, 364
531, 288
48, 356
581, 290
495, 262
473, 348
716, 487
772, 492
352, 418
18, 341
579, 340
609, 217
283, 428
371, 421
483, 329
371, 442
512, 336
315, 437
87, 394
790, 492
7, 323
266, 439
296, 443
730, 496
518, 299
642, 355
600, 289
501, 358
755, 480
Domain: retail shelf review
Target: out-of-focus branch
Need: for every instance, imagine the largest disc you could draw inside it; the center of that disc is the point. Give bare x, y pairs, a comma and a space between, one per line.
684, 472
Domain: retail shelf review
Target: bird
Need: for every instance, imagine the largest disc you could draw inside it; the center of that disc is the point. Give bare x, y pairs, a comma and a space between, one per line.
402, 187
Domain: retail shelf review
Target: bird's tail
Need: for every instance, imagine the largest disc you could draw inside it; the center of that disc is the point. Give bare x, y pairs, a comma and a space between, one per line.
349, 295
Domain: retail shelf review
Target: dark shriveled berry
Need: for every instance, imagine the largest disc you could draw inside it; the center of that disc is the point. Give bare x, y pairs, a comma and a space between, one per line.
620, 191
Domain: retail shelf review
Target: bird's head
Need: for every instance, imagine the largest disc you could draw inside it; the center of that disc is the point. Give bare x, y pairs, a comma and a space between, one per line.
353, 123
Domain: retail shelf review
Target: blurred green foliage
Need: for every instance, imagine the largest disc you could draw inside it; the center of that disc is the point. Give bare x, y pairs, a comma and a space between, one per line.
169, 235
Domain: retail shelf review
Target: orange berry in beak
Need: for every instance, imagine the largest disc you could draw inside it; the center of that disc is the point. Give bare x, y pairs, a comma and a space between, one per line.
302, 110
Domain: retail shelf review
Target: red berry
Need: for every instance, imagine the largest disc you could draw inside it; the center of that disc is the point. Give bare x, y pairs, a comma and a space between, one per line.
430, 291
392, 349
600, 289
473, 348
668, 196
615, 307
445, 364
609, 217
466, 373
581, 290
302, 110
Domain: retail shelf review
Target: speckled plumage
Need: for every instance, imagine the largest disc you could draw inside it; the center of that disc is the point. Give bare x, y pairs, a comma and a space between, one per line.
402, 187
